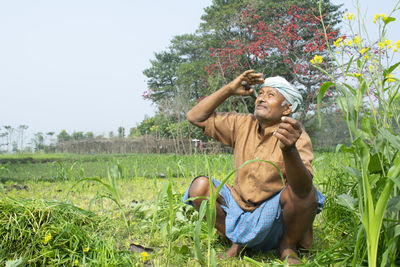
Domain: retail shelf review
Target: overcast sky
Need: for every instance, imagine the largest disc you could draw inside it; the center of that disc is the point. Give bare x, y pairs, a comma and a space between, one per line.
78, 64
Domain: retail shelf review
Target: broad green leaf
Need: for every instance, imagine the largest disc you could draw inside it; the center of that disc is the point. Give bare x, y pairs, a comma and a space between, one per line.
390, 69
347, 201
197, 229
321, 94
375, 164
394, 204
393, 139
354, 172
387, 20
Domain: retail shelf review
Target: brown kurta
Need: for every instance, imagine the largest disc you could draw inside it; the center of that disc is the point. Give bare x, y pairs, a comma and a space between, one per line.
256, 181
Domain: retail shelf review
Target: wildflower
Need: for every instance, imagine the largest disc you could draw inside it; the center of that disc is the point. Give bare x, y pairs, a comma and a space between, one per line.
317, 60
349, 42
366, 56
47, 239
362, 51
377, 16
381, 45
389, 78
357, 40
371, 68
86, 249
145, 256
348, 16
76, 262
338, 41
374, 112
357, 74
338, 52
397, 44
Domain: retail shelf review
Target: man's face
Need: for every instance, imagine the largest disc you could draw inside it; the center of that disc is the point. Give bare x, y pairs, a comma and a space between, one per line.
268, 106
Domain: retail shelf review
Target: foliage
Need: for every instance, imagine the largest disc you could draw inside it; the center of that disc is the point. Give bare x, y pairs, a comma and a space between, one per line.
367, 95
278, 39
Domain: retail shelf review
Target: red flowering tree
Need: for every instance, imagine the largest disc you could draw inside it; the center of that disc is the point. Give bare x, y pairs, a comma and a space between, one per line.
279, 41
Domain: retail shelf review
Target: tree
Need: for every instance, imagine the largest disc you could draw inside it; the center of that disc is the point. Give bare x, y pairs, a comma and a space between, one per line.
121, 132
77, 135
21, 130
279, 40
38, 141
63, 136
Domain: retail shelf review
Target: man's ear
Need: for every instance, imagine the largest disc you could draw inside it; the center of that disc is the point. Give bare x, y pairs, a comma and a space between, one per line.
288, 110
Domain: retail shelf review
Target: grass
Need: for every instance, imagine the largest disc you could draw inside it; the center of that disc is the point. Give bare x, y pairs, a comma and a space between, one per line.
150, 188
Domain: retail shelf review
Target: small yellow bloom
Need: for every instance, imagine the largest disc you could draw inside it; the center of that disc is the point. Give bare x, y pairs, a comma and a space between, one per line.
357, 74
348, 16
362, 51
349, 42
381, 45
371, 68
47, 239
357, 40
377, 16
76, 262
397, 44
388, 42
86, 249
338, 42
375, 61
389, 78
395, 50
338, 52
145, 256
317, 60
374, 112
366, 56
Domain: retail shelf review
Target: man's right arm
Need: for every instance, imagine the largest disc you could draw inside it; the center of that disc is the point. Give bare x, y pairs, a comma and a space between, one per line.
199, 114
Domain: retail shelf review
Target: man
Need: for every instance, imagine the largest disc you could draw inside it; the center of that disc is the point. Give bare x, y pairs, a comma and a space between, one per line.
261, 211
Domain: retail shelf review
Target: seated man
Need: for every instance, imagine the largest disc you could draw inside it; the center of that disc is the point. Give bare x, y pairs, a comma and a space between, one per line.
260, 210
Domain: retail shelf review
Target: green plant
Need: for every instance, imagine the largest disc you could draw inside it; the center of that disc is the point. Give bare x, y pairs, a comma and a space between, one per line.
368, 93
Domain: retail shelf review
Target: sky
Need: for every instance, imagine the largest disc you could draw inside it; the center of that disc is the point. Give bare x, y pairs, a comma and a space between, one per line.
78, 64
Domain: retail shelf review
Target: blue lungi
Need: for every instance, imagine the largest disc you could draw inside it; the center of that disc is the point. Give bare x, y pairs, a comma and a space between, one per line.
261, 229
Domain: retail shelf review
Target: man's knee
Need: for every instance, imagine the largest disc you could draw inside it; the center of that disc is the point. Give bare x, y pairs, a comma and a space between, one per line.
289, 200
199, 187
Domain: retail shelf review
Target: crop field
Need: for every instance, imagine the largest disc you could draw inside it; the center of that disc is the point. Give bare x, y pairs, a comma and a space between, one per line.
126, 210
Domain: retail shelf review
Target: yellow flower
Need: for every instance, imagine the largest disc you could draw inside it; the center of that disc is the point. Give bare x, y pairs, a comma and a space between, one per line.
371, 68
349, 42
381, 45
337, 42
86, 249
348, 16
357, 74
317, 60
357, 40
377, 16
375, 61
397, 44
76, 262
47, 239
374, 112
389, 78
395, 49
362, 51
145, 256
338, 52
366, 56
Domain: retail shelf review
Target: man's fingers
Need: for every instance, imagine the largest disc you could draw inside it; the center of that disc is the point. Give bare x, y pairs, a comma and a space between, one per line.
295, 124
283, 139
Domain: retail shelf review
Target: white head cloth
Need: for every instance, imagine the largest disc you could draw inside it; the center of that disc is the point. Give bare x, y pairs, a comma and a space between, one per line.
289, 92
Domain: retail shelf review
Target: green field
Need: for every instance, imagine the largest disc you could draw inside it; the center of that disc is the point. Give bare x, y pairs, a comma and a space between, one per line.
63, 210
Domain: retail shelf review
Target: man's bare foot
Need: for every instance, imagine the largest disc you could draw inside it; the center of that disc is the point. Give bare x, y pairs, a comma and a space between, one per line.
291, 255
233, 251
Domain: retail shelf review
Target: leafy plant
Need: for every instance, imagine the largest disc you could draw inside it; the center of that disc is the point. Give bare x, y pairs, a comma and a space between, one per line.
368, 93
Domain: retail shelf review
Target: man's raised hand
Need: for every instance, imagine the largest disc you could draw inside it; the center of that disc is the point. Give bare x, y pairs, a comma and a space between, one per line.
241, 85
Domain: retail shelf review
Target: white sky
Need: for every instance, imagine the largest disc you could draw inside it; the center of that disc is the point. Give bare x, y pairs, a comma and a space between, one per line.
77, 64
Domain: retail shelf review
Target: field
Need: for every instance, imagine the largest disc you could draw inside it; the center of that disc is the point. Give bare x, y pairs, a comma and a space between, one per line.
88, 210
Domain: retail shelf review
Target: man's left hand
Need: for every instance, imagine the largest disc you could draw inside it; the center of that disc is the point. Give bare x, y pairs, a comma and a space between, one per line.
288, 132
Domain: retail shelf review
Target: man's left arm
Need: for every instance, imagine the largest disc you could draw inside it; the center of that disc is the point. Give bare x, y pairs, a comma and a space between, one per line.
297, 175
